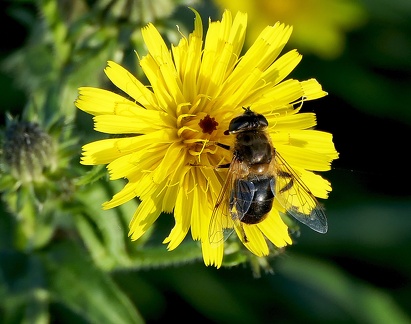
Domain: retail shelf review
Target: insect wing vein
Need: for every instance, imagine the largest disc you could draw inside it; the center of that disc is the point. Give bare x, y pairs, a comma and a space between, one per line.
221, 225
242, 196
297, 198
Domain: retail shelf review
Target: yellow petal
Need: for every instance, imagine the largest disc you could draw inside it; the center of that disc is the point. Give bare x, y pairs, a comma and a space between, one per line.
125, 166
174, 185
142, 121
212, 255
99, 102
318, 186
174, 152
312, 89
125, 81
187, 58
256, 241
100, 152
304, 158
279, 125
145, 215
163, 75
182, 216
281, 67
263, 51
280, 96
223, 44
275, 229
313, 140
123, 196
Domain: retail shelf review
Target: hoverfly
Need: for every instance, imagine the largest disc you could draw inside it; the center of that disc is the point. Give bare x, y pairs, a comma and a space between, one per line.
256, 176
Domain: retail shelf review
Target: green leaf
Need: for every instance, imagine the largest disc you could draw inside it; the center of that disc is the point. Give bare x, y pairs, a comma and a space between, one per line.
103, 231
159, 256
23, 294
96, 173
79, 285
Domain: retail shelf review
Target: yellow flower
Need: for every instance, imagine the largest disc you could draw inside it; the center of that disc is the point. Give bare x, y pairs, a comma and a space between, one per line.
170, 153
319, 25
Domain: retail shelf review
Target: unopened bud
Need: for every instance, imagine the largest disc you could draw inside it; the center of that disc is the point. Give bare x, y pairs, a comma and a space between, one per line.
27, 151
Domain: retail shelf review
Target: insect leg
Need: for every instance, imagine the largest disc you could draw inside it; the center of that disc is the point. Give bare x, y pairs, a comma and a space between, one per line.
228, 148
290, 184
224, 146
223, 166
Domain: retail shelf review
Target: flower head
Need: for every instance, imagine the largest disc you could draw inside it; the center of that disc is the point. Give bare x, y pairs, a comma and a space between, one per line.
319, 25
175, 125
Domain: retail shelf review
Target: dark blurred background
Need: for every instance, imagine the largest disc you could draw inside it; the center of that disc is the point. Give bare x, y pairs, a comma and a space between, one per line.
360, 271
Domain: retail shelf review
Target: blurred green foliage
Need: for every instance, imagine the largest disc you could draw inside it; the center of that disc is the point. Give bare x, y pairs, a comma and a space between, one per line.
78, 265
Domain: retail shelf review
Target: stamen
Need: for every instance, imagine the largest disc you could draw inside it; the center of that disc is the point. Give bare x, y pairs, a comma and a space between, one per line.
208, 124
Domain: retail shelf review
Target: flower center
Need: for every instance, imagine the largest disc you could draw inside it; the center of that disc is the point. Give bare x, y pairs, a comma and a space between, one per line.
198, 133
208, 124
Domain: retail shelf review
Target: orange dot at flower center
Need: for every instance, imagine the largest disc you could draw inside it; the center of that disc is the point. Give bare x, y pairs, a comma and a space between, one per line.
208, 124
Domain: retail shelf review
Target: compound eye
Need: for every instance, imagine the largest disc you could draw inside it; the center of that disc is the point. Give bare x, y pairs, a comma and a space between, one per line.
262, 121
247, 121
239, 123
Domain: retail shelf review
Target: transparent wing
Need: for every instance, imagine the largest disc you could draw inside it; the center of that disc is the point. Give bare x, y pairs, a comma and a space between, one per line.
232, 203
296, 197
241, 197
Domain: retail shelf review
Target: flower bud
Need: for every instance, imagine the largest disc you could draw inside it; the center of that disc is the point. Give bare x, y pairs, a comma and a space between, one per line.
27, 151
